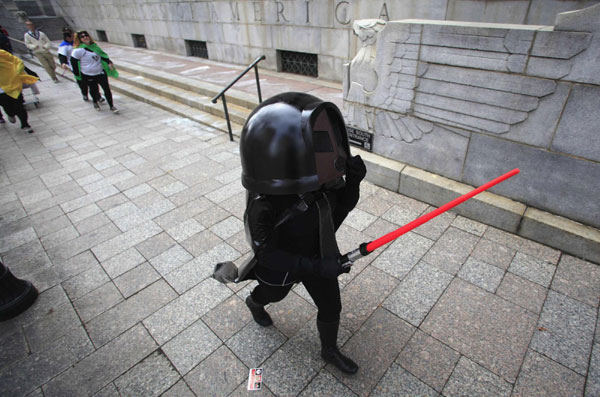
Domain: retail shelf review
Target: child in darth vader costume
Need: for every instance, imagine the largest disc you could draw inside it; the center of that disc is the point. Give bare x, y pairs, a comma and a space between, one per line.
301, 183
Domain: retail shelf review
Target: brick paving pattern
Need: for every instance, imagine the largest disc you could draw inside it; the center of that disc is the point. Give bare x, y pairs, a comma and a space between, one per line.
119, 219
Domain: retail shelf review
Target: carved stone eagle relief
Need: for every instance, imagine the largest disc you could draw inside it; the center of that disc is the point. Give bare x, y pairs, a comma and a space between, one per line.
411, 75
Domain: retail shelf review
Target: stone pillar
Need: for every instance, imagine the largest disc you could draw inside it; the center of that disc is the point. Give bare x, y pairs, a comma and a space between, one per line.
15, 295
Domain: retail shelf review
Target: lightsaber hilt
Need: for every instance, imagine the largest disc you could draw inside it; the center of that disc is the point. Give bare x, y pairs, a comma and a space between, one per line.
352, 256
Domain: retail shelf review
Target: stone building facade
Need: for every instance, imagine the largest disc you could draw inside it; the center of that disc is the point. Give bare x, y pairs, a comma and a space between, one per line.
283, 30
471, 101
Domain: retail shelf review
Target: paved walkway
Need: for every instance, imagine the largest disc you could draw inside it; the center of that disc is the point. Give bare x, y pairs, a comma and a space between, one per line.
119, 219
222, 74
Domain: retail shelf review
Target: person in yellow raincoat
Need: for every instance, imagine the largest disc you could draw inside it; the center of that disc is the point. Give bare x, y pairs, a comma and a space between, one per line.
12, 78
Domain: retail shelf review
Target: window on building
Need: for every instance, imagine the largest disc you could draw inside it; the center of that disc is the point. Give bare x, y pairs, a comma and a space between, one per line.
197, 48
298, 63
101, 34
139, 40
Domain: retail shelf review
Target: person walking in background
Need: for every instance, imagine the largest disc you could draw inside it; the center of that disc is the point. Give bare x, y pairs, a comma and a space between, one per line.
12, 78
39, 44
64, 56
93, 66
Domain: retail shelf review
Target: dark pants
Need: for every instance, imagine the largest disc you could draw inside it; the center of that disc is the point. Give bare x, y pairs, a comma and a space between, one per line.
14, 107
83, 87
93, 82
325, 293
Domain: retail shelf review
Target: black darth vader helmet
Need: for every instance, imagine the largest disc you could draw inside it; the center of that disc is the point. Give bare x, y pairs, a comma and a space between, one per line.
293, 143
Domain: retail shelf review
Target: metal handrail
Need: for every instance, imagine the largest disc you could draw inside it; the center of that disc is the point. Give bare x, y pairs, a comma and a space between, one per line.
222, 93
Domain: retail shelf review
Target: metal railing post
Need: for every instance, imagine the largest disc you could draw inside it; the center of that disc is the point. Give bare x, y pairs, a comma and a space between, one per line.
258, 83
222, 93
227, 118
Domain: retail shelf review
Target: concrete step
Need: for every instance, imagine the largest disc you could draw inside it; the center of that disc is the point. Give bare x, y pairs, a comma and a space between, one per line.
173, 106
184, 94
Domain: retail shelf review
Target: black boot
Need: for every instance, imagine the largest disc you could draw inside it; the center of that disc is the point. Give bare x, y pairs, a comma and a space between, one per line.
329, 352
258, 312
16, 295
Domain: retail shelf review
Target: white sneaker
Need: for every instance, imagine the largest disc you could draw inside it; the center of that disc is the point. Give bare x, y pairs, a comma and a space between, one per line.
114, 110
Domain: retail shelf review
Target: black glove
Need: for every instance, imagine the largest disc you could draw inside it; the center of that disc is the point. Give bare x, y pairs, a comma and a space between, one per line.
331, 267
355, 170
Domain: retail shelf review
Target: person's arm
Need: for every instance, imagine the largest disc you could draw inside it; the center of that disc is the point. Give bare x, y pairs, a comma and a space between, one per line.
349, 195
75, 63
45, 41
64, 62
261, 219
29, 42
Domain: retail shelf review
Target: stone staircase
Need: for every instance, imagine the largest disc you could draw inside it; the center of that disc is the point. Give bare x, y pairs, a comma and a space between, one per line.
183, 96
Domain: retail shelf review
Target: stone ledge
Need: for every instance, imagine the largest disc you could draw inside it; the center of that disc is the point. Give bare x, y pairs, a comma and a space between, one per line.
489, 208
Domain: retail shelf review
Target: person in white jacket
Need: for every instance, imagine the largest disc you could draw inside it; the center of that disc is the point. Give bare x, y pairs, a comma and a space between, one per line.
39, 44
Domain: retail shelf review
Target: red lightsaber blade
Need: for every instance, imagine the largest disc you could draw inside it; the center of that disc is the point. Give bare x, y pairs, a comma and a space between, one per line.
366, 248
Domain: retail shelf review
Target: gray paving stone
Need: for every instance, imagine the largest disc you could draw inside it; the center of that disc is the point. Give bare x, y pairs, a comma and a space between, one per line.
487, 329
417, 293
150, 377
185, 310
265, 341
222, 364
123, 316
136, 279
578, 279
359, 219
541, 376
325, 384
374, 348
93, 222
183, 213
121, 210
55, 324
63, 235
171, 259
201, 242
398, 382
470, 379
592, 387
565, 331
507, 239
54, 225
97, 301
112, 201
227, 227
493, 253
123, 262
212, 216
185, 230
180, 389
540, 251
84, 213
85, 282
104, 365
380, 228
451, 250
84, 242
191, 346
364, 295
428, 359
404, 209
196, 270
17, 239
402, 254
26, 375
286, 373
469, 225
291, 314
155, 245
228, 317
126, 240
138, 190
481, 274
437, 226
373, 205
532, 269
522, 292
14, 347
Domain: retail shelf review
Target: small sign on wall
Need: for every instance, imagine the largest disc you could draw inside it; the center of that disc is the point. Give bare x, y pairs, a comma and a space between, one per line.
360, 138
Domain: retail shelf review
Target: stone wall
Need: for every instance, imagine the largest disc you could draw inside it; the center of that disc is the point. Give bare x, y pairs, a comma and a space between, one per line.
471, 101
239, 31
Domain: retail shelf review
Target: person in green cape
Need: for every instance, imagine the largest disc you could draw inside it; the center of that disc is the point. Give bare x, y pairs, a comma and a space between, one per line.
92, 65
